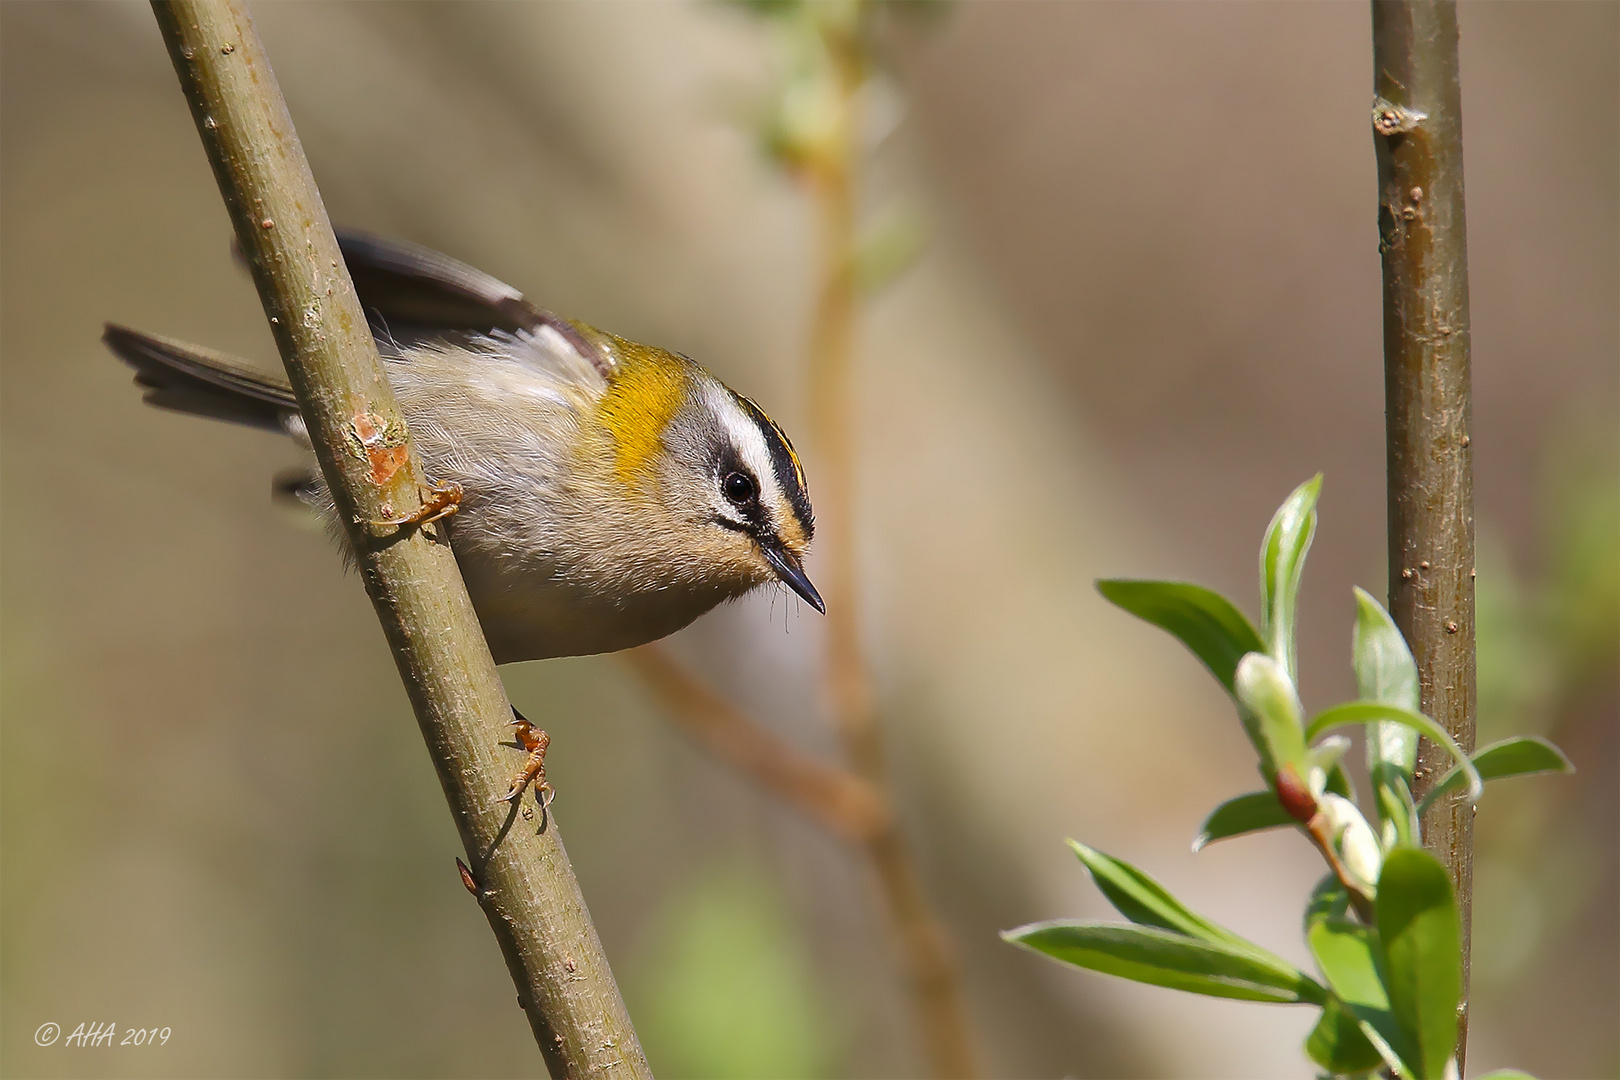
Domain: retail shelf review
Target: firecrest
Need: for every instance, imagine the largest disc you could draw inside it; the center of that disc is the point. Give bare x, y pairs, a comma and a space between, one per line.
610, 492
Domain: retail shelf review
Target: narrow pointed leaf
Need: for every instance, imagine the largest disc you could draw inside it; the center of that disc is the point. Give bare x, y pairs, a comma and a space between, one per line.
1422, 943
1522, 755
1141, 899
1244, 814
1506, 1074
1368, 712
1385, 672
1349, 956
1395, 808
1164, 958
1271, 714
1203, 620
1338, 1044
1282, 561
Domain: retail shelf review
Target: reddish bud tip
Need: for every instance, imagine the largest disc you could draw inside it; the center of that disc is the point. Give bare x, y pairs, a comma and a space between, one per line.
1294, 795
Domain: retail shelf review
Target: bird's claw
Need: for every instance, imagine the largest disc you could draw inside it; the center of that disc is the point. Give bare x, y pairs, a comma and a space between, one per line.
535, 741
440, 501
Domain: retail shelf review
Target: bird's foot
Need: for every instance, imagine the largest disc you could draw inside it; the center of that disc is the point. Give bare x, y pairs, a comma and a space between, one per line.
440, 501
535, 741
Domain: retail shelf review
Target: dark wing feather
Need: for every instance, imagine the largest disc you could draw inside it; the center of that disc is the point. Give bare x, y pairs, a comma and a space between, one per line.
413, 288
405, 289
190, 379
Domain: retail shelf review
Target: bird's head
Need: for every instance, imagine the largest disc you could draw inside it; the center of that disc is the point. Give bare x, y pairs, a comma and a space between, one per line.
730, 485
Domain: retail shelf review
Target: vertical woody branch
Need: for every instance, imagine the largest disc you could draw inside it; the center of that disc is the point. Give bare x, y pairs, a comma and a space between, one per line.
1417, 125
519, 873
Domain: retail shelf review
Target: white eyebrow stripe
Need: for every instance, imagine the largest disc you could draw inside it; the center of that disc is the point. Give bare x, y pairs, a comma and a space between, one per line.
744, 433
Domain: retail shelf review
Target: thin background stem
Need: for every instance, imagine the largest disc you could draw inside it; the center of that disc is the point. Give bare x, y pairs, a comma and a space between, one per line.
520, 875
1417, 122
830, 172
858, 804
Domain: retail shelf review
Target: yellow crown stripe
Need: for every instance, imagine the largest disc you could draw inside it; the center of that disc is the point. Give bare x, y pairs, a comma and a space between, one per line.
645, 391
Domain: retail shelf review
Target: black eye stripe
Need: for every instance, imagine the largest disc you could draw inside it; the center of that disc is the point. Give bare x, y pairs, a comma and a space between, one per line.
785, 465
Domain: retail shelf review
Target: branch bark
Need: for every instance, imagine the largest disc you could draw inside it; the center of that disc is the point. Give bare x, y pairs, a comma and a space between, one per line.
1417, 124
520, 875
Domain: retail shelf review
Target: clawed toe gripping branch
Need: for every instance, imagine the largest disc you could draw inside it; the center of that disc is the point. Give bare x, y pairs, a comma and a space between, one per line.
535, 742
438, 502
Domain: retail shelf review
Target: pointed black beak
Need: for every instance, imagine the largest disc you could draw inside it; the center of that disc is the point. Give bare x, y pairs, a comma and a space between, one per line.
791, 571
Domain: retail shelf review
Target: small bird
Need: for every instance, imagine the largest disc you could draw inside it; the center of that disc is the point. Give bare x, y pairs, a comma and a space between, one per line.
599, 494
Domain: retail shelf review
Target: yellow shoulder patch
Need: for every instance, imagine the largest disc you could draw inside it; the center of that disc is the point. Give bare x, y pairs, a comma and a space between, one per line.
647, 388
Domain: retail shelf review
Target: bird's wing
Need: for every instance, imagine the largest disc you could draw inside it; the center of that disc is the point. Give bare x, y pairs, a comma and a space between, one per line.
414, 291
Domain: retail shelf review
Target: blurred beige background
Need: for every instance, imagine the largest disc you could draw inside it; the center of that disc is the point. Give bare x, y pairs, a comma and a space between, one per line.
1149, 307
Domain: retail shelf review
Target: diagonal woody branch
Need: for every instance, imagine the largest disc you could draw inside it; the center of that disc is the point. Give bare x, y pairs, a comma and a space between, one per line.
838, 800
521, 876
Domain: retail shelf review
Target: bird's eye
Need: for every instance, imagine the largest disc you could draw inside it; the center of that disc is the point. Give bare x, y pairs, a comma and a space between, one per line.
739, 487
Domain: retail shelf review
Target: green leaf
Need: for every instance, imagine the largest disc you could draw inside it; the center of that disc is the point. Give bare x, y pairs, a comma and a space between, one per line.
1244, 814
1164, 958
1338, 782
1367, 712
1141, 899
1522, 755
1271, 714
1385, 672
1395, 808
1338, 1044
1351, 960
1282, 561
1328, 900
1422, 943
1506, 1074
1204, 621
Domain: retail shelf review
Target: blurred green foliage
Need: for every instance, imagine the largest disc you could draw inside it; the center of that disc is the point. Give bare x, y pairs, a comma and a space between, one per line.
1545, 636
1549, 645
725, 988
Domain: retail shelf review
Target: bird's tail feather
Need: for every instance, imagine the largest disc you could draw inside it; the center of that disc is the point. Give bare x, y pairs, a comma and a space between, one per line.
190, 379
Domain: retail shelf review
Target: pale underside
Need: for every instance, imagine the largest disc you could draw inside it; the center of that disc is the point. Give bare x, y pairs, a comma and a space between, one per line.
559, 557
